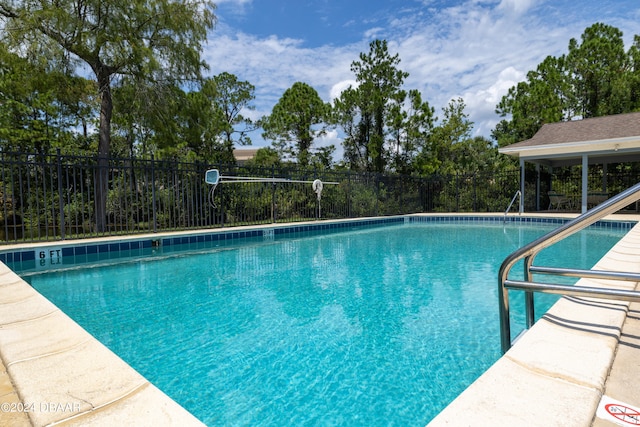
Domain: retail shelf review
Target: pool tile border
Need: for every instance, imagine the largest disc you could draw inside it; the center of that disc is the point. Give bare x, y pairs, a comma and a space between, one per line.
52, 251
68, 248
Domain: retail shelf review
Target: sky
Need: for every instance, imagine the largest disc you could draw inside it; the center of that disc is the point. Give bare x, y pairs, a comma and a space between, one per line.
470, 49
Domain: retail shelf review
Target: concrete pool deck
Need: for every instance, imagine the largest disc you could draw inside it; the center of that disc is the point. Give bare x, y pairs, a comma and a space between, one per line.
52, 372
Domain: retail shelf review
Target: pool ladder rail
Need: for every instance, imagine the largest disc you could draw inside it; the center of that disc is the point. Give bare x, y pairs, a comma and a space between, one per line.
519, 196
529, 252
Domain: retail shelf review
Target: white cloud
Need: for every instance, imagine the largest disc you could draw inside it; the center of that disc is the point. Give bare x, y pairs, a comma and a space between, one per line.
234, 2
516, 6
340, 87
483, 101
235, 7
373, 33
332, 137
476, 49
476, 52
274, 64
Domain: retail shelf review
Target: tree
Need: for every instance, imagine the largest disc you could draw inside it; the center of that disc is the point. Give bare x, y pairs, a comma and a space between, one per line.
452, 150
266, 157
596, 77
155, 39
345, 113
231, 97
363, 111
212, 120
323, 157
146, 118
201, 124
634, 74
409, 128
545, 97
598, 67
41, 107
447, 140
299, 117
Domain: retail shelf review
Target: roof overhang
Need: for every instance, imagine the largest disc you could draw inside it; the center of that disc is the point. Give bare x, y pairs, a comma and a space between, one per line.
615, 150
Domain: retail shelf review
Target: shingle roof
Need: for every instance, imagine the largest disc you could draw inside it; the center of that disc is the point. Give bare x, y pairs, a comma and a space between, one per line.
593, 129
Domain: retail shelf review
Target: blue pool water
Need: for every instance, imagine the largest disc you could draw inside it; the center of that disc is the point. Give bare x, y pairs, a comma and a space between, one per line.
377, 325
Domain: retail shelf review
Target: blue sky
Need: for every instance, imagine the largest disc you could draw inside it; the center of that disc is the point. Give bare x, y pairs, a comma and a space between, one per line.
473, 49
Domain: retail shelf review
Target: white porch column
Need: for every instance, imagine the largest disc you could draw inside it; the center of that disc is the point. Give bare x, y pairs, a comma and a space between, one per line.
585, 181
537, 187
521, 186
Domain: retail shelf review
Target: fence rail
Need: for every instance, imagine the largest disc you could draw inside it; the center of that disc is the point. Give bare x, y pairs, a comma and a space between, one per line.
53, 197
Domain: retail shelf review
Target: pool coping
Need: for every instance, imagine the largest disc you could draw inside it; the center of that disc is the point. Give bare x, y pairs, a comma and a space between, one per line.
88, 384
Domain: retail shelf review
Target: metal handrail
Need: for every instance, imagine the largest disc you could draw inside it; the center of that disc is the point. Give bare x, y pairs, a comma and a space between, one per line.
529, 252
518, 194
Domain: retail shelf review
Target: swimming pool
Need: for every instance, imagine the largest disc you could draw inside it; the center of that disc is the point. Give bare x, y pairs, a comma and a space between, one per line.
345, 328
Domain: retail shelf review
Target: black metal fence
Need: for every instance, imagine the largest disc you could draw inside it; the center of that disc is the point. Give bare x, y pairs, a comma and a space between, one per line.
54, 197
567, 181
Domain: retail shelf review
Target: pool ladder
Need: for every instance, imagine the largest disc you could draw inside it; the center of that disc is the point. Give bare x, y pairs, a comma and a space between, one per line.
529, 252
519, 195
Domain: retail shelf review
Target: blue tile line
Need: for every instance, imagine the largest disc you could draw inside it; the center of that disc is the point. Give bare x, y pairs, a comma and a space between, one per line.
94, 248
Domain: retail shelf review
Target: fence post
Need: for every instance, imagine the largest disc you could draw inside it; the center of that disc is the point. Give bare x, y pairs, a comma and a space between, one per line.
402, 209
60, 195
377, 181
475, 194
153, 194
457, 192
349, 210
537, 190
317, 210
274, 206
4, 198
221, 195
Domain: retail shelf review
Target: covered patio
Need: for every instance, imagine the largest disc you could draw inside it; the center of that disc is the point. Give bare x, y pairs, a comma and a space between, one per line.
599, 140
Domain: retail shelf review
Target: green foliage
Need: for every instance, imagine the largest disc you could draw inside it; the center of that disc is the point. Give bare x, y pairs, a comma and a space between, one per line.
149, 39
296, 121
363, 199
78, 214
322, 158
147, 118
41, 108
199, 125
409, 131
598, 67
487, 191
595, 78
146, 65
452, 150
229, 97
141, 38
363, 112
212, 120
545, 97
389, 129
265, 157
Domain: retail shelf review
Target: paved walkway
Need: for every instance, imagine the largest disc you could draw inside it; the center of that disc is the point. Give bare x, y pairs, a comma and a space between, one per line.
623, 384
10, 415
